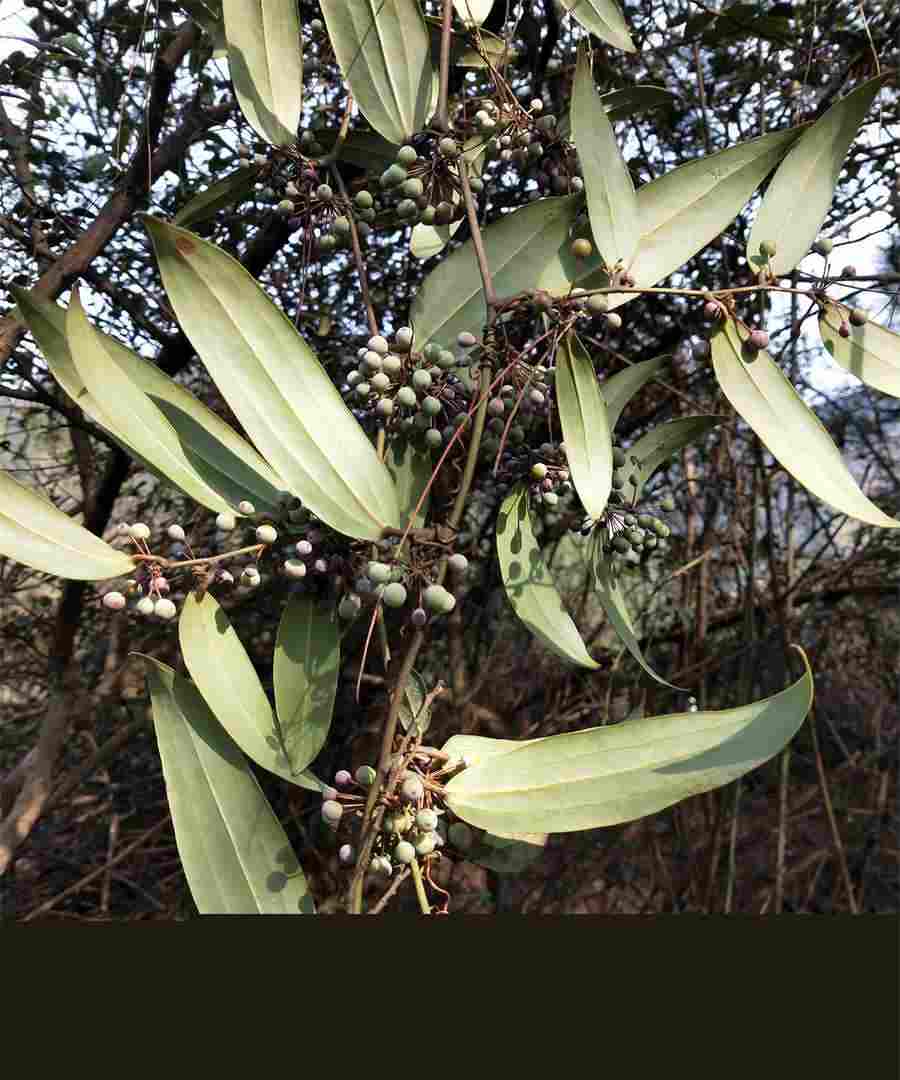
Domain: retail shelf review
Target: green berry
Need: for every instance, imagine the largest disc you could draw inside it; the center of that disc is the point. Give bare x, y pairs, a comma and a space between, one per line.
407, 396
365, 776
458, 563
407, 155
364, 200
379, 572
421, 379
393, 176
265, 534
448, 148
349, 606
667, 504
413, 187
332, 812
438, 600
619, 457
394, 595
226, 522
426, 820
582, 249
433, 439
404, 852
768, 248
538, 470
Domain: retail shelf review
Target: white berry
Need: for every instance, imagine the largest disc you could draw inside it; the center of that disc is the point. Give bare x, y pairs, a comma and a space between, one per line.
140, 531
144, 606
246, 507
226, 522
115, 601
294, 568
175, 532
265, 534
165, 609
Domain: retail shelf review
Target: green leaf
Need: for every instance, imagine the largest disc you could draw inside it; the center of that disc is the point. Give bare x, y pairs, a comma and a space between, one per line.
473, 12
235, 854
800, 193
585, 425
383, 52
657, 446
229, 190
410, 470
365, 149
871, 352
221, 458
621, 772
620, 388
507, 854
475, 748
788, 428
620, 104
224, 675
608, 593
34, 532
603, 18
687, 208
265, 56
519, 247
529, 586
307, 659
413, 708
148, 431
275, 385
611, 199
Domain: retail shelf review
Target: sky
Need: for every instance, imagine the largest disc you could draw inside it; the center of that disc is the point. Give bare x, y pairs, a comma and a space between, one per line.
863, 254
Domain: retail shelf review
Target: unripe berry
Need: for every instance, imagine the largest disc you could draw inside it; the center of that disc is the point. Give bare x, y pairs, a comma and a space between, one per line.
458, 563
849, 271
246, 507
411, 790
329, 793
437, 599
365, 775
404, 852
421, 379
427, 820
265, 534
332, 812
619, 457
139, 531
250, 577
342, 778
597, 304
324, 193
346, 855
419, 617
144, 606
823, 247
226, 522
858, 317
364, 200
394, 595
433, 439
115, 601
378, 344
165, 609
349, 606
614, 320
294, 568
758, 339
407, 396
384, 408
403, 339
425, 844
768, 248
407, 155
431, 406
175, 532
582, 249
465, 340
379, 572
448, 148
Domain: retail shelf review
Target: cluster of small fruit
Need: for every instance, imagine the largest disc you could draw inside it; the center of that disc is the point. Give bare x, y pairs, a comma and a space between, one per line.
427, 184
528, 140
410, 396
393, 585
413, 826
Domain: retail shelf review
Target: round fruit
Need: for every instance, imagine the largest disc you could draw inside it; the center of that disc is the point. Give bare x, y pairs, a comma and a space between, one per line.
458, 563
858, 317
139, 531
614, 320
175, 532
407, 396
365, 776
411, 790
226, 522
438, 600
165, 609
425, 844
324, 193
346, 855
394, 595
332, 812
538, 470
379, 572
294, 568
404, 852
823, 247
407, 155
265, 534
144, 606
582, 248
448, 148
246, 507
364, 200
427, 820
403, 339
597, 304
421, 380
465, 340
433, 439
419, 617
667, 504
115, 601
349, 606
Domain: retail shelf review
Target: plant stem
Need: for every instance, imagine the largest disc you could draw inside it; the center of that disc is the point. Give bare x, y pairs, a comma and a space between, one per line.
420, 887
443, 118
357, 256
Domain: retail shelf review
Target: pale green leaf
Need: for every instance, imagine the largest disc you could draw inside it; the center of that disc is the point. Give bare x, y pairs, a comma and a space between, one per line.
221, 458
801, 191
365, 149
275, 385
622, 772
529, 586
265, 56
34, 532
585, 425
610, 597
225, 676
620, 104
429, 240
871, 352
657, 446
611, 199
229, 190
235, 854
307, 659
414, 708
788, 428
383, 52
473, 12
620, 388
506, 854
603, 18
410, 469
148, 431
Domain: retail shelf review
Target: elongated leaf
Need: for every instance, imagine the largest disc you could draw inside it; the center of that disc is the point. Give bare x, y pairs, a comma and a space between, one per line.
220, 457
603, 18
307, 659
801, 191
609, 594
507, 854
410, 470
530, 587
611, 200
265, 56
229, 190
151, 434
224, 675
687, 208
657, 446
473, 12
383, 52
275, 385
519, 248
584, 420
871, 352
621, 772
475, 748
788, 428
235, 854
366, 149
620, 104
413, 708
34, 532
620, 388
